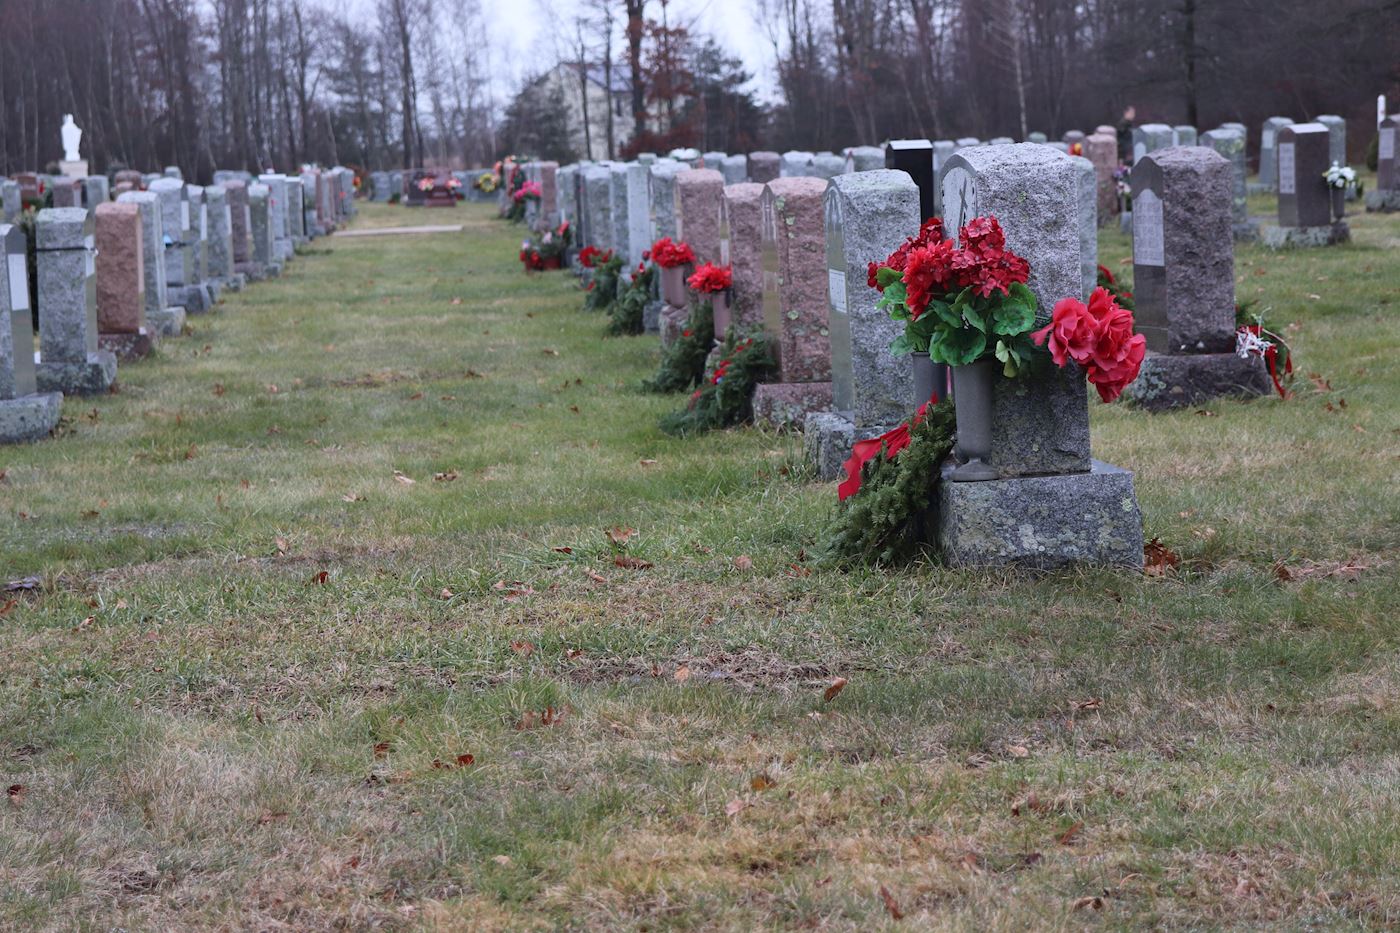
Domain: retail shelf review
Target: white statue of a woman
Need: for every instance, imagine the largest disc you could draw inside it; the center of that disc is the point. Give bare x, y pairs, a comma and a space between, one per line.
71, 136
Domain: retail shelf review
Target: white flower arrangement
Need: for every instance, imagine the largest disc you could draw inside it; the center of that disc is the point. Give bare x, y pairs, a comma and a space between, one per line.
1340, 176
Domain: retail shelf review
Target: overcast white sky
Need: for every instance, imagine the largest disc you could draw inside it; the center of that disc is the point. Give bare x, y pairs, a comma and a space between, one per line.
527, 42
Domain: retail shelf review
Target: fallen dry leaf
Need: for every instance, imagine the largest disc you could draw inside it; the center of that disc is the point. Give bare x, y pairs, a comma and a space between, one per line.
735, 807
512, 589
647, 463
563, 549
629, 562
382, 749
682, 674
1067, 837
402, 479
16, 793
319, 579
833, 691
352, 497
1018, 751
1088, 903
891, 906
1085, 705
761, 782
743, 562
446, 476
596, 577
523, 648
1158, 559
620, 536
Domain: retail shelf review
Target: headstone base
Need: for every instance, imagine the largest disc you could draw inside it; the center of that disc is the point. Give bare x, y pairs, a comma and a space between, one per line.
234, 283
1258, 187
1040, 522
78, 168
829, 436
168, 322
787, 404
673, 321
29, 417
126, 347
651, 317
195, 299
92, 377
1307, 237
1383, 202
1169, 381
1125, 223
1246, 232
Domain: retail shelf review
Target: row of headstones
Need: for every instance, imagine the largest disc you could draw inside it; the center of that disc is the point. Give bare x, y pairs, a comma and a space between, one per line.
388, 186
114, 276
792, 241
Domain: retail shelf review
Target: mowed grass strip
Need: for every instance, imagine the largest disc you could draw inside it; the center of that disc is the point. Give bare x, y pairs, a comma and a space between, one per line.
329, 631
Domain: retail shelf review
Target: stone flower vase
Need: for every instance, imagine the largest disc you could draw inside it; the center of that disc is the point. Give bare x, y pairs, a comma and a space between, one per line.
719, 301
1339, 203
972, 399
673, 287
930, 379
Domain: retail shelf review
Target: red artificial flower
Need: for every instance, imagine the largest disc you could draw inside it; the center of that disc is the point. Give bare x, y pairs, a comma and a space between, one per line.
669, 255
710, 278
930, 234
1099, 338
1106, 274
891, 442
928, 272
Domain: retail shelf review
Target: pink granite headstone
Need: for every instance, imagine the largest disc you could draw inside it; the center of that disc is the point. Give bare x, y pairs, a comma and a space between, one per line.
1102, 150
804, 343
121, 280
699, 212
745, 204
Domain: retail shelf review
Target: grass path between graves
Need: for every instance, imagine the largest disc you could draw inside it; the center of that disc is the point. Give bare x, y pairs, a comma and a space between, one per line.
352, 527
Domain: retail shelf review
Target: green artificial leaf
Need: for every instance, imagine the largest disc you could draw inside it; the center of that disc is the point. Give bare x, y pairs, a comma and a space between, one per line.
902, 345
885, 276
945, 312
1022, 295
1012, 318
957, 347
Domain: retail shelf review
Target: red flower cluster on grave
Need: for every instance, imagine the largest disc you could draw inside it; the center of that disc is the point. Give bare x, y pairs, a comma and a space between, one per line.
1099, 337
669, 255
891, 443
531, 189
933, 266
718, 375
427, 184
591, 256
711, 278
532, 260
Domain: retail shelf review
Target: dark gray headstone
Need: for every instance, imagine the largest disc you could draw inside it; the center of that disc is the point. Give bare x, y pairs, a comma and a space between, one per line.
16, 322
1387, 176
915, 158
1268, 142
1304, 199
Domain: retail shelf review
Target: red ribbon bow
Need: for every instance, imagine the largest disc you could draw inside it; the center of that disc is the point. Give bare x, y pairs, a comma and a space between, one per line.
892, 442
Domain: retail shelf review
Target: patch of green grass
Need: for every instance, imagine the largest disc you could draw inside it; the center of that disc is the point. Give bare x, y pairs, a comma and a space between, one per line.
209, 733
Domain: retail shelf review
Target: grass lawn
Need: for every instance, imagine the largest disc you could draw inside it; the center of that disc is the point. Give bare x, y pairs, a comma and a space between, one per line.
353, 529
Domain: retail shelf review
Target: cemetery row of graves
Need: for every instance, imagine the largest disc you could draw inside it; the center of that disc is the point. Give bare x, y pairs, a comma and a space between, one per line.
406, 590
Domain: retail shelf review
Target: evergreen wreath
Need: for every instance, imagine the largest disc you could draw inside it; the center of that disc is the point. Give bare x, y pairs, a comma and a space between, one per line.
726, 397
626, 315
602, 289
883, 523
683, 362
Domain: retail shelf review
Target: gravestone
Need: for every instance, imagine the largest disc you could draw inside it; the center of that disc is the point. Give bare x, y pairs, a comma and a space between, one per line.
1304, 197
161, 317
220, 246
914, 157
867, 216
1268, 138
121, 282
662, 199
260, 232
415, 196
549, 195
714, 160
967, 142
744, 208
1088, 223
96, 190
240, 224
1183, 135
25, 414
699, 212
796, 318
1105, 130
67, 192
1102, 152
865, 159
1149, 138
597, 188
10, 204
828, 165
173, 171
1051, 505
1337, 144
1184, 282
617, 210
277, 185
1038, 137
639, 219
199, 234
1003, 140
735, 169
1072, 136
133, 178
379, 186
797, 163
311, 221
70, 360
1386, 196
181, 273
296, 212
764, 166
1230, 143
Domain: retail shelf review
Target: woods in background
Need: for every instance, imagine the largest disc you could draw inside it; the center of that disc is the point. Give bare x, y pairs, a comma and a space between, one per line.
255, 84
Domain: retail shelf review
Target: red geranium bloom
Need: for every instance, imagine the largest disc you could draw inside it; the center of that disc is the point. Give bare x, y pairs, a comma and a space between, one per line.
928, 272
711, 278
669, 255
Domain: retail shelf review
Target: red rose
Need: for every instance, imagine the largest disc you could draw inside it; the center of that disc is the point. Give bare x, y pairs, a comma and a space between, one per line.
1072, 332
